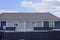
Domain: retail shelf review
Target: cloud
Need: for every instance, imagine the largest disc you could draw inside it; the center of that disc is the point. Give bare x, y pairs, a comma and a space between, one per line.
38, 7
7, 11
47, 0
44, 6
58, 0
56, 8
50, 0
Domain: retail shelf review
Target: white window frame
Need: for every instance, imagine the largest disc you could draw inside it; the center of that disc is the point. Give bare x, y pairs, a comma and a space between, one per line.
24, 26
42, 23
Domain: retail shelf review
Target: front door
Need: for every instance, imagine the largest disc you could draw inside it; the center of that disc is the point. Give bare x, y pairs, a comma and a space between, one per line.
3, 23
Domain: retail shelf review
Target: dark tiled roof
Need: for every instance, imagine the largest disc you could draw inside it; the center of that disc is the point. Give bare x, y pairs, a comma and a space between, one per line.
28, 16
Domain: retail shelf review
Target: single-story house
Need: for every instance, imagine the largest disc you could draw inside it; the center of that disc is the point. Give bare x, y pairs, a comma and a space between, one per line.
24, 23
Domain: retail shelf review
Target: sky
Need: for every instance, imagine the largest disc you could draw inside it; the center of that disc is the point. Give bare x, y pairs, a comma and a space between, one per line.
52, 6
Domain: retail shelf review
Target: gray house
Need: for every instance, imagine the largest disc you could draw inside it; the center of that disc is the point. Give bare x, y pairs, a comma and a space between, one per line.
28, 23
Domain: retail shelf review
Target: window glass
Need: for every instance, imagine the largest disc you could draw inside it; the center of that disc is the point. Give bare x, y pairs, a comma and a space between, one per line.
51, 24
28, 25
39, 23
15, 24
46, 23
33, 24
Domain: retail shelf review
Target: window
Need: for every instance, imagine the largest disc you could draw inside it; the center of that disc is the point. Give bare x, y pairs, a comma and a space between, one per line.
33, 24
15, 24
51, 24
39, 23
28, 25
46, 23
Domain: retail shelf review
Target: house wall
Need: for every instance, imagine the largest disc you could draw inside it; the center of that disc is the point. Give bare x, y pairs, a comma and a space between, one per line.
28, 25
18, 24
24, 25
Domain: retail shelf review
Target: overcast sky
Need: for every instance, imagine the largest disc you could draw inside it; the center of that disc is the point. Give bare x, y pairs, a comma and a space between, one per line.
52, 6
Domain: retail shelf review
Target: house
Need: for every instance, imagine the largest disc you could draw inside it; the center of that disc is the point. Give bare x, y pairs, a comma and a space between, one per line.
28, 25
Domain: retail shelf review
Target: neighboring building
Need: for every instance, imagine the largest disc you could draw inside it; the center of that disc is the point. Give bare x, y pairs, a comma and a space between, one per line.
29, 23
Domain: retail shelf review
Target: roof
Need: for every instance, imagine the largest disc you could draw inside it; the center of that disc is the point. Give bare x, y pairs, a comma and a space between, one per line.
28, 16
